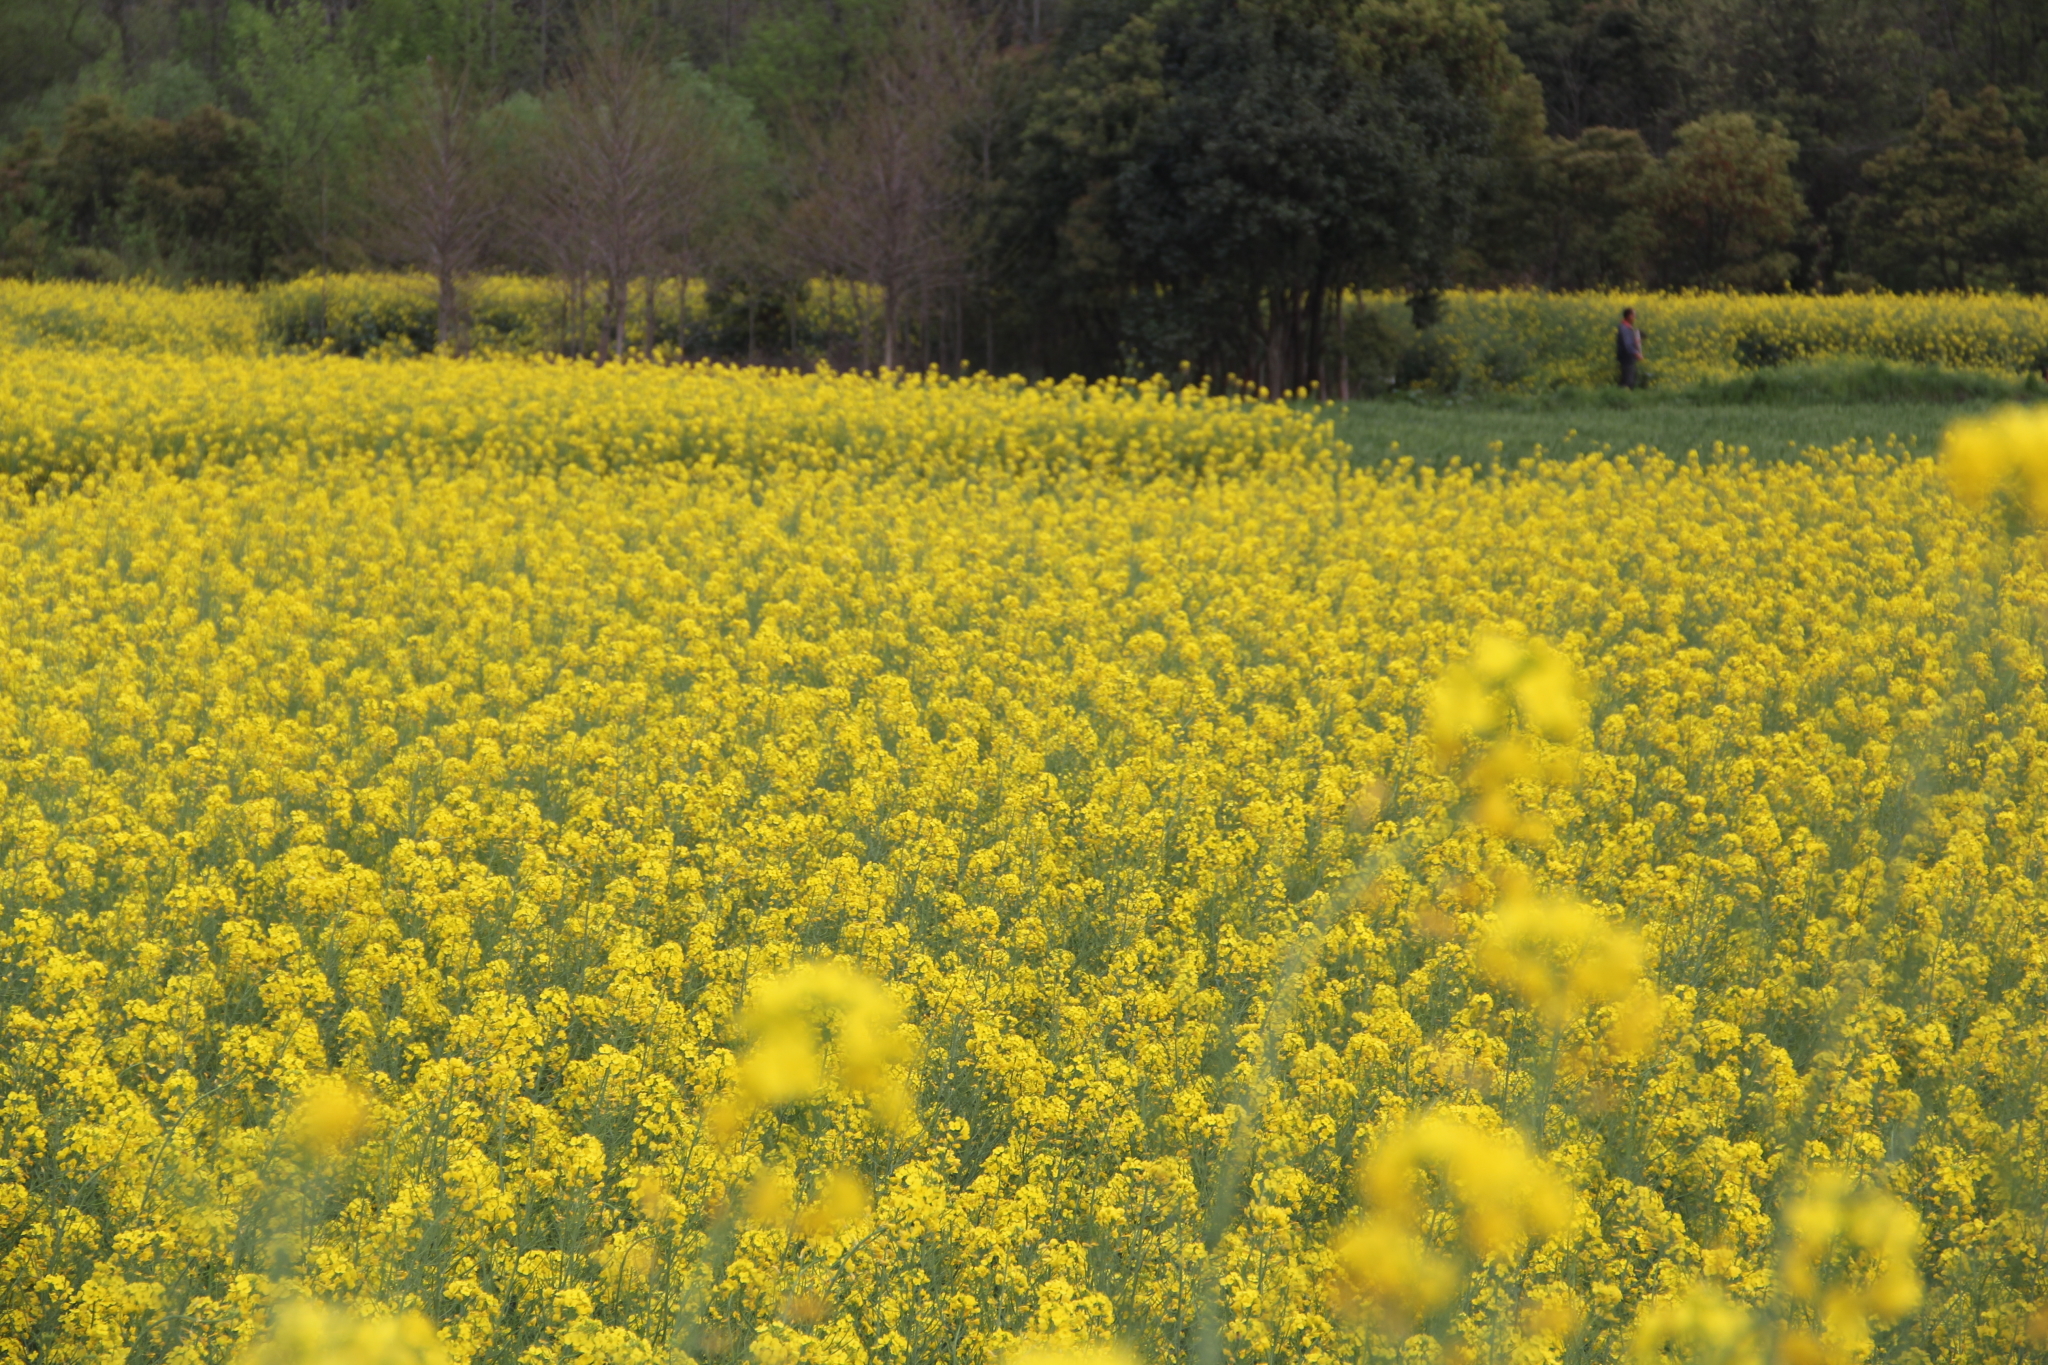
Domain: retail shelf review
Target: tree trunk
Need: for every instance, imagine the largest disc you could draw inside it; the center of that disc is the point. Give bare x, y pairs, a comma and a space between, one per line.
1312, 363
683, 313
612, 345
1343, 354
445, 320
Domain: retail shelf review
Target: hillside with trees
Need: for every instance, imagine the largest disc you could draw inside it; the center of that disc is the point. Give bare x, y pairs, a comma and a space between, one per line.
1043, 185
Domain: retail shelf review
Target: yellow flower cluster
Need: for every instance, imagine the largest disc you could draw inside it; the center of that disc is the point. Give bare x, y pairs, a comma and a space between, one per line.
129, 317
1846, 1267
1517, 339
1502, 1199
1523, 340
2005, 452
389, 315
783, 1062
76, 411
312, 1334
644, 864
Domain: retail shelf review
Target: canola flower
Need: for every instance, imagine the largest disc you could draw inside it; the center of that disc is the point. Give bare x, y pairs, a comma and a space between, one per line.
1518, 340
312, 1334
642, 864
128, 317
1500, 1200
392, 316
71, 412
785, 1059
2005, 452
1846, 1269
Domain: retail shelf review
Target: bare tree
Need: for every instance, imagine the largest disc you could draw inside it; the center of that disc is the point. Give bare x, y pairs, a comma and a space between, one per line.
436, 199
614, 171
889, 183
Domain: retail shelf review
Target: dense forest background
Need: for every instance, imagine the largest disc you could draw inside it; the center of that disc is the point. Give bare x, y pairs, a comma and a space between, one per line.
1047, 185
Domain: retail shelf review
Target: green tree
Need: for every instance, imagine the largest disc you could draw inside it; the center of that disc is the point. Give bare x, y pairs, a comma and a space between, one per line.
42, 44
306, 90
1610, 63
184, 199
886, 191
723, 221
1950, 206
1725, 204
1203, 183
800, 63
627, 164
730, 171
490, 43
1570, 214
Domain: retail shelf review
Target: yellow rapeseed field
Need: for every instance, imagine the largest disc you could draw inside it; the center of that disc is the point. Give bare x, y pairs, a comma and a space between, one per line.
389, 315
131, 317
1516, 339
520, 862
72, 411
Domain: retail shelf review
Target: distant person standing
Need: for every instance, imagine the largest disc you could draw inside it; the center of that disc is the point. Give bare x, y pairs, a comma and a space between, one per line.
1628, 350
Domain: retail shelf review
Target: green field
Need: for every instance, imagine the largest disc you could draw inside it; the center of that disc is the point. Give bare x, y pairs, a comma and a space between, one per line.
1437, 433
1768, 413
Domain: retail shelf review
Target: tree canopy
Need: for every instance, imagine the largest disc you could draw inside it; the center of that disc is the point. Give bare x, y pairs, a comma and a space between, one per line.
1200, 184
1094, 185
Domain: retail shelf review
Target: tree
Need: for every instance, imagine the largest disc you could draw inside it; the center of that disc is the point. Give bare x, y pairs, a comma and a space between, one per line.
614, 171
1948, 206
1725, 204
1611, 63
887, 190
1582, 217
724, 226
800, 62
309, 97
41, 44
437, 198
491, 41
117, 194
1205, 181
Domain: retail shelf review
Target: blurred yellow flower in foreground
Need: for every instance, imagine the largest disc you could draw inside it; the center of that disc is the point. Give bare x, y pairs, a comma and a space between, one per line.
825, 1019
1559, 957
308, 1333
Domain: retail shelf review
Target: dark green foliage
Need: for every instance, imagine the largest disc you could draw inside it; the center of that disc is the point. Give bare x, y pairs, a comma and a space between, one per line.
1867, 382
39, 46
186, 200
1725, 205
1371, 354
1581, 220
799, 62
1201, 185
1609, 64
1843, 78
1759, 351
1953, 206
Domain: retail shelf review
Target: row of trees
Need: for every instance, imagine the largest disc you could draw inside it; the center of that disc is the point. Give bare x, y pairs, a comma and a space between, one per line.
1956, 203
1098, 185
